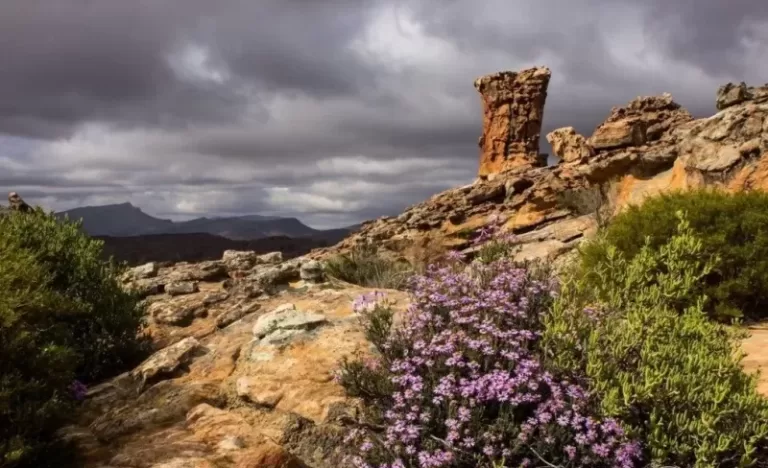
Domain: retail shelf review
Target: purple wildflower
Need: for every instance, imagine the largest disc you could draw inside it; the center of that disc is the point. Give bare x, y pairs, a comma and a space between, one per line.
78, 390
469, 367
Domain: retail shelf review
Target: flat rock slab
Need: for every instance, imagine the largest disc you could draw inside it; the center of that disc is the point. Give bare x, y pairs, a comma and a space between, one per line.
286, 317
166, 360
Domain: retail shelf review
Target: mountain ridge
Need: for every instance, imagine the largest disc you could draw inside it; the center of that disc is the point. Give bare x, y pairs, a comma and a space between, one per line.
127, 220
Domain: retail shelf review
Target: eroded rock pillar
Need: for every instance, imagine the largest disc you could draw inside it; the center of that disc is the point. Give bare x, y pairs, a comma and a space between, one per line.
513, 110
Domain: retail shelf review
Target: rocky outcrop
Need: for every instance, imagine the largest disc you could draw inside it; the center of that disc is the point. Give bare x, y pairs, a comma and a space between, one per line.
513, 111
732, 94
16, 203
569, 146
237, 379
648, 146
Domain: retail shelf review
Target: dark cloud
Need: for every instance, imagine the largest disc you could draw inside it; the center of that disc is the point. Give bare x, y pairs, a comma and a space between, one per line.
333, 110
77, 60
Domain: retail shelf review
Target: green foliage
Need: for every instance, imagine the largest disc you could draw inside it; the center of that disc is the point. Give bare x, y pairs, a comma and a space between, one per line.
636, 328
733, 227
496, 249
63, 316
365, 267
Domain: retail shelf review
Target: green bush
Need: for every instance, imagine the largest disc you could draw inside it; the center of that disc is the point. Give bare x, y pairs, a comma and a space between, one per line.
63, 316
365, 267
667, 372
733, 227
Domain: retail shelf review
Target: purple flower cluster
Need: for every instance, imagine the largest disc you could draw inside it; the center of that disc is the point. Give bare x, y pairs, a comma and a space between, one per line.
78, 390
470, 389
492, 232
365, 303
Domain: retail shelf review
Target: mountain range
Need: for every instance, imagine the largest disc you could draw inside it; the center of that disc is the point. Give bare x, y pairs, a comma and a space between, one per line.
127, 220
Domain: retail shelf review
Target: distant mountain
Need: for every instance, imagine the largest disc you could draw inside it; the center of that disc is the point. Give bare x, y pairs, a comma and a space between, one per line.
124, 220
198, 247
118, 220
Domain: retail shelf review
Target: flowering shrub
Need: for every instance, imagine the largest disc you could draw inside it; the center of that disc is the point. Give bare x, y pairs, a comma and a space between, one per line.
493, 244
460, 382
668, 373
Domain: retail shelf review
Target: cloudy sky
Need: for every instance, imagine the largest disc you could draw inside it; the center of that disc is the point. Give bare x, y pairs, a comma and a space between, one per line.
333, 111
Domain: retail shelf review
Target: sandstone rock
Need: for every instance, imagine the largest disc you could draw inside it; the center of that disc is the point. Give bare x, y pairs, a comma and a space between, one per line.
195, 462
713, 158
246, 289
239, 260
661, 115
161, 404
516, 185
268, 278
270, 258
231, 443
177, 314
148, 287
513, 110
731, 94
236, 314
569, 146
166, 361
485, 192
254, 390
148, 270
284, 321
619, 134
179, 288
203, 271
215, 298
16, 203
312, 271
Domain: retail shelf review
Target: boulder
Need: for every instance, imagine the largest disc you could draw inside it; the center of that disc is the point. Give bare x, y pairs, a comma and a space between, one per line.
145, 271
569, 146
239, 260
619, 134
285, 322
180, 288
312, 271
166, 361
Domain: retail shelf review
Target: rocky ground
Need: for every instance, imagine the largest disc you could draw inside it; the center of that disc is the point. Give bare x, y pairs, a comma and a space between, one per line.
243, 372
242, 376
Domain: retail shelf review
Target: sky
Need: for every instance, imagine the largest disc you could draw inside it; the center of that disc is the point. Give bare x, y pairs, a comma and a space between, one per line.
332, 111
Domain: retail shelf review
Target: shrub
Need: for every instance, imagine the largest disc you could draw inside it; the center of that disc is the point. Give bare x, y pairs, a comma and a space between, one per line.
35, 369
460, 382
492, 244
63, 316
364, 266
732, 227
636, 329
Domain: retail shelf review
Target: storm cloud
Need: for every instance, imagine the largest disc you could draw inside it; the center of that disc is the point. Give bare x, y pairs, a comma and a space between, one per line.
333, 111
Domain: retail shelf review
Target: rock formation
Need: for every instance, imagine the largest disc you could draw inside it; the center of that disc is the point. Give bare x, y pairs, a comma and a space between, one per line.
16, 203
650, 145
242, 373
513, 111
569, 146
